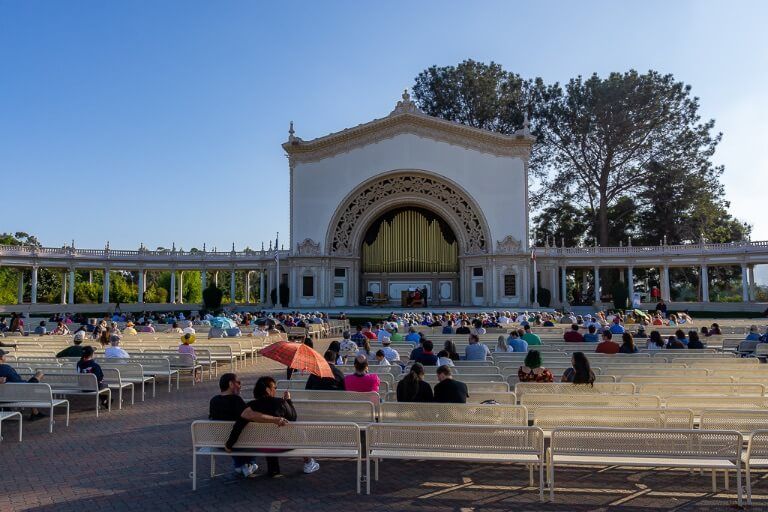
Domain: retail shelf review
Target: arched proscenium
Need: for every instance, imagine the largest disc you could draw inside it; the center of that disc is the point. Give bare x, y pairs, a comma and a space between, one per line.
402, 188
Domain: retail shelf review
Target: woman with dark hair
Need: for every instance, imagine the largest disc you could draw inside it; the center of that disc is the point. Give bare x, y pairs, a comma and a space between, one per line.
714, 330
705, 331
412, 387
361, 380
694, 341
655, 342
627, 344
580, 372
450, 347
268, 404
532, 371
674, 342
680, 335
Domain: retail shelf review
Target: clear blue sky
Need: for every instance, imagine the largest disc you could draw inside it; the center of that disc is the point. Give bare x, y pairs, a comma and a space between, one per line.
160, 121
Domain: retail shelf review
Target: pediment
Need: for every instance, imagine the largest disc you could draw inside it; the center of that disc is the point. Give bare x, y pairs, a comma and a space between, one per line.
406, 118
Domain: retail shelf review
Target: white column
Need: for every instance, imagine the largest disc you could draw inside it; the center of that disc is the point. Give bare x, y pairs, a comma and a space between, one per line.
564, 286
64, 287
704, 277
71, 286
216, 278
597, 285
553, 285
181, 287
232, 286
752, 286
262, 293
105, 291
630, 283
142, 279
247, 286
90, 277
33, 296
744, 284
172, 297
665, 294
20, 293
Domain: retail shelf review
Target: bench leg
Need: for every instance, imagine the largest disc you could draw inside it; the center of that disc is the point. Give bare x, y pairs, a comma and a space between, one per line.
143, 391
67, 417
551, 476
368, 474
170, 382
119, 398
359, 472
194, 471
20, 425
749, 484
376, 466
541, 480
530, 475
738, 485
714, 481
154, 382
133, 393
98, 400
213, 466
727, 481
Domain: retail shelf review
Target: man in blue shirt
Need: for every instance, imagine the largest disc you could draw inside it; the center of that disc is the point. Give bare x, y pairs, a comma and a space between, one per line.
516, 343
413, 336
476, 351
358, 337
616, 327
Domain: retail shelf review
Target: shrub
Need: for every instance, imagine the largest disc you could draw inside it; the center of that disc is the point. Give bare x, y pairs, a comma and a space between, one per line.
544, 296
284, 295
620, 295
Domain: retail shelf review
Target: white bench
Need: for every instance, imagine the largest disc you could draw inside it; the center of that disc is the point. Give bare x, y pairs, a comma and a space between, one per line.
31, 395
301, 439
522, 388
756, 456
533, 401
713, 449
10, 415
468, 443
132, 373
550, 418
79, 384
361, 413
311, 394
460, 414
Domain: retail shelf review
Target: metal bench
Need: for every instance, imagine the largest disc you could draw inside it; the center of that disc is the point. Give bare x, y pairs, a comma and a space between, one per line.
10, 415
460, 414
354, 396
468, 443
700, 388
533, 401
549, 418
300, 439
132, 373
79, 384
361, 413
685, 448
32, 395
521, 388
700, 403
756, 456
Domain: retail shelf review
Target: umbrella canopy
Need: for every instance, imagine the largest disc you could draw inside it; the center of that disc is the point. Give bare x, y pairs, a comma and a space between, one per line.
222, 322
299, 357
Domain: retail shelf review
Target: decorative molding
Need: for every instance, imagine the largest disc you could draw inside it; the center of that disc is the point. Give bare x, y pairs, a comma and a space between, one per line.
345, 221
406, 105
308, 247
402, 121
509, 245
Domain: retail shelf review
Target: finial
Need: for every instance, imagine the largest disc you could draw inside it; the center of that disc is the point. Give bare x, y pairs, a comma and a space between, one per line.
665, 239
233, 246
562, 243
291, 133
203, 246
270, 245
629, 241
262, 246
73, 243
107, 246
282, 247
173, 246
406, 97
526, 124
405, 105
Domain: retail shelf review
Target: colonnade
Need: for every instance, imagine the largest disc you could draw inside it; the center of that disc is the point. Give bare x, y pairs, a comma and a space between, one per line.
176, 289
748, 285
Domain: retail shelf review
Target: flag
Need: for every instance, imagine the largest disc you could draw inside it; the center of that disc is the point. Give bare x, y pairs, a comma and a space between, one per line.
533, 253
277, 250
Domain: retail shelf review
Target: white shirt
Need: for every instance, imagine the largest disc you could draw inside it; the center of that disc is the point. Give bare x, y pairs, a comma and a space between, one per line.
391, 354
382, 333
445, 361
188, 330
111, 352
260, 332
384, 362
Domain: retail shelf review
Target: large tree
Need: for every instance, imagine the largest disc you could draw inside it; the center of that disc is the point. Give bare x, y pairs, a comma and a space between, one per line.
608, 136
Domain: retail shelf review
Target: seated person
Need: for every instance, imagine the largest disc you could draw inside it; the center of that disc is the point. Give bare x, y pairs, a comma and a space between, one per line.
361, 380
449, 390
573, 336
476, 351
580, 371
532, 371
75, 350
591, 336
607, 346
114, 350
426, 357
412, 387
268, 404
336, 383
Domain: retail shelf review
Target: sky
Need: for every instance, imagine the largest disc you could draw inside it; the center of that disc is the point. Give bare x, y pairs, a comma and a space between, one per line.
160, 122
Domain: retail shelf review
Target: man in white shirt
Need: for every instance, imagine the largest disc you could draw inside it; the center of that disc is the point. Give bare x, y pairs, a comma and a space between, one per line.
114, 350
382, 333
389, 353
347, 347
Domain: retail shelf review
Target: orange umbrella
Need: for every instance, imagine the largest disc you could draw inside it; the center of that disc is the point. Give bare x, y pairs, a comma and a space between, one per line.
299, 357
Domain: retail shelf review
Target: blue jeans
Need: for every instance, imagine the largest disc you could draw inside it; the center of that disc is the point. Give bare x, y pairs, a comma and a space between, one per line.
240, 461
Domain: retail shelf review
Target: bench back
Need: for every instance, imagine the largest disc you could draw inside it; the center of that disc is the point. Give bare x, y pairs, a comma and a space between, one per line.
295, 435
448, 438
460, 414
79, 381
698, 388
557, 417
26, 392
533, 401
744, 421
346, 396
644, 443
521, 388
699, 403
758, 445
128, 371
335, 410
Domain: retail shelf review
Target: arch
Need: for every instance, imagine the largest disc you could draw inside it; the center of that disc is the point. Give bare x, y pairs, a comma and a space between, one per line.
407, 188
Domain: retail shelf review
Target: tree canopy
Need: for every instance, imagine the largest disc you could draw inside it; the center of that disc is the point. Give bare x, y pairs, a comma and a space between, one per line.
628, 155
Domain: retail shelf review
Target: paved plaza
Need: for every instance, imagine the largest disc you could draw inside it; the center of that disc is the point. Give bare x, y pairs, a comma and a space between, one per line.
139, 458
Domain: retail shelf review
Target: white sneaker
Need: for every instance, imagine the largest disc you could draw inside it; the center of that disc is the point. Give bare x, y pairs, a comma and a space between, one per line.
248, 470
311, 466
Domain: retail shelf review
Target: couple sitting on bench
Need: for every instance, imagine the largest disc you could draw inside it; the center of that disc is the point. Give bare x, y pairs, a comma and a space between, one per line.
266, 408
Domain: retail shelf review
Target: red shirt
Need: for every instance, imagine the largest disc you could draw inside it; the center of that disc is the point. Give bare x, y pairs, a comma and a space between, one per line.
607, 347
370, 335
573, 337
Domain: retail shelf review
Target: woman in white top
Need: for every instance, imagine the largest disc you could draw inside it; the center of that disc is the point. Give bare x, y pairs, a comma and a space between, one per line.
655, 341
365, 350
501, 345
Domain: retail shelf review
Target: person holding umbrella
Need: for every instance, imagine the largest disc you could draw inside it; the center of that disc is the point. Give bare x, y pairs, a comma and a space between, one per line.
268, 404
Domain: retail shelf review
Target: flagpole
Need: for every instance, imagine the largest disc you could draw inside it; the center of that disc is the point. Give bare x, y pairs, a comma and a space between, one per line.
277, 264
